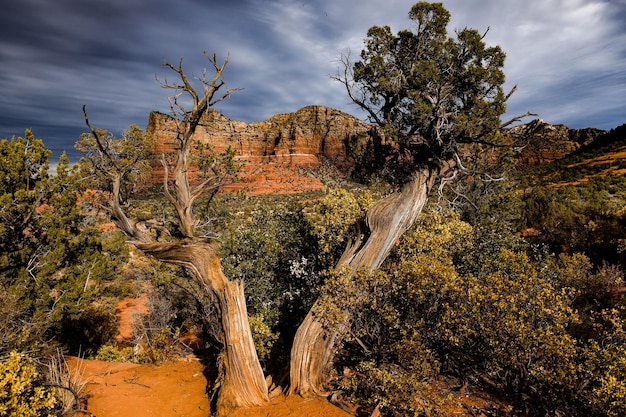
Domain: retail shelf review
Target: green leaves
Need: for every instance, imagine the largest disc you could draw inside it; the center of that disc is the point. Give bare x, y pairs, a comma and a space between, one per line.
334, 219
428, 91
52, 258
126, 157
23, 163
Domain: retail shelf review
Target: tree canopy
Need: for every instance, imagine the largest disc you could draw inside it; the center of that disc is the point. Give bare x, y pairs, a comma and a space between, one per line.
428, 91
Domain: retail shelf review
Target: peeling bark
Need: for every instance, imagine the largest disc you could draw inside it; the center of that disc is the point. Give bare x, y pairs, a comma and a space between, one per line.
314, 345
243, 383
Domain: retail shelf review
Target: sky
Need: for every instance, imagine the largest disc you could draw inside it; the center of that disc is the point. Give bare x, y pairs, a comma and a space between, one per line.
567, 57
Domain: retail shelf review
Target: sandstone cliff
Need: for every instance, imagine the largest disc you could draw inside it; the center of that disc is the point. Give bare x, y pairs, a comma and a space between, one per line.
293, 138
540, 142
275, 149
278, 149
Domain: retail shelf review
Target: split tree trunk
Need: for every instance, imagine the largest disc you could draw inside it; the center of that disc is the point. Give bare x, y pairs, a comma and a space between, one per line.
314, 345
243, 383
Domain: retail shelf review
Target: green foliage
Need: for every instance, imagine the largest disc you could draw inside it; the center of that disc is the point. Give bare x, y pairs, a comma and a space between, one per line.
587, 218
127, 156
24, 188
162, 344
335, 218
392, 391
261, 252
264, 337
23, 163
53, 258
604, 367
22, 392
428, 92
89, 328
274, 251
459, 301
108, 353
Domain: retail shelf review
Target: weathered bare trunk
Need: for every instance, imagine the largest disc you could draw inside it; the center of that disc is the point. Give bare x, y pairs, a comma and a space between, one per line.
314, 345
243, 382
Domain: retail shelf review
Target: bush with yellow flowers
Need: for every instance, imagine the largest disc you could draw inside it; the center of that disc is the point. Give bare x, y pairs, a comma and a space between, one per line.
22, 393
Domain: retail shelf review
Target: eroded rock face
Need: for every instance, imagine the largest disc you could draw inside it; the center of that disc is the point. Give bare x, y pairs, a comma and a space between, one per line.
275, 149
295, 138
540, 142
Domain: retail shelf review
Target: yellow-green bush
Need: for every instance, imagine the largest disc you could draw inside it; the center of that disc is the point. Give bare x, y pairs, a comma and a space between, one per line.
264, 337
334, 217
21, 390
110, 353
483, 312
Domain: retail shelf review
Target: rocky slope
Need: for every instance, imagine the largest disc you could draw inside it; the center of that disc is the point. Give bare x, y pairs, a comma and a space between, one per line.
540, 142
281, 151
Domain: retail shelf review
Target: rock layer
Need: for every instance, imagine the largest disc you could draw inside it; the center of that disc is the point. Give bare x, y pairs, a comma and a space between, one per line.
540, 142
274, 149
277, 150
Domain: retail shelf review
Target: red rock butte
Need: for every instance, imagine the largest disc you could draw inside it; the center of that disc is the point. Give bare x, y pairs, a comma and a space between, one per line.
277, 149
274, 150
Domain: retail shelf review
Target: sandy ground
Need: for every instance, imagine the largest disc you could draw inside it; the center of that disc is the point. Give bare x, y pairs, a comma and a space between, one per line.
172, 389
179, 388
175, 389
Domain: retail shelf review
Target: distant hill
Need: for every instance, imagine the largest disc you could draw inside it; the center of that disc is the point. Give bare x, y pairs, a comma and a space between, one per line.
602, 156
285, 153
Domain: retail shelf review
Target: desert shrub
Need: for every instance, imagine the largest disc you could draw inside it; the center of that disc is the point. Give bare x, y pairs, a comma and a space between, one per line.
392, 390
22, 390
157, 333
334, 219
84, 331
594, 284
512, 326
506, 325
110, 353
52, 254
264, 337
19, 330
68, 383
580, 219
604, 365
386, 365
161, 344
274, 253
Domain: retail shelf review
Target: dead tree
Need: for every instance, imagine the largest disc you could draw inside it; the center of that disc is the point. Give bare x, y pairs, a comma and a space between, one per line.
242, 383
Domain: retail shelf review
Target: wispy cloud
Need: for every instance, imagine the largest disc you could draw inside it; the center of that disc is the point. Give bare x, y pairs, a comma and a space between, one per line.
568, 57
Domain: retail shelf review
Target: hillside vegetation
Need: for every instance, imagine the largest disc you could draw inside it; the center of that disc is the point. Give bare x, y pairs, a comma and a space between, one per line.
442, 263
523, 297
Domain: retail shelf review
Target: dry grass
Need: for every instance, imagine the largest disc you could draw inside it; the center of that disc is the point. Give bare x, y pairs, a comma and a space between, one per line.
69, 382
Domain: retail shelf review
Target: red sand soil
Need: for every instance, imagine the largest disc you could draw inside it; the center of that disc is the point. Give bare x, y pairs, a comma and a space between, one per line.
127, 311
172, 389
179, 388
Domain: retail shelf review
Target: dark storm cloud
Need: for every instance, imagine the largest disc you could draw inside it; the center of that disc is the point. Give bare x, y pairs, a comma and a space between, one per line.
567, 57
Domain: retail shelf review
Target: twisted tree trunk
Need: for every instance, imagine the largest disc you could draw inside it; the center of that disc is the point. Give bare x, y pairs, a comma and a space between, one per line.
243, 383
314, 345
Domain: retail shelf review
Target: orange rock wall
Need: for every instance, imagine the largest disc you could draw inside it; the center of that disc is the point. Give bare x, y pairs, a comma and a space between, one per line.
296, 138
540, 142
273, 149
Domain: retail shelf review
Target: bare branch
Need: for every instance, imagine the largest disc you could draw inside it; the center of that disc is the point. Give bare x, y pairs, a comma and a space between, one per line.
214, 89
516, 119
166, 188
348, 81
101, 147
